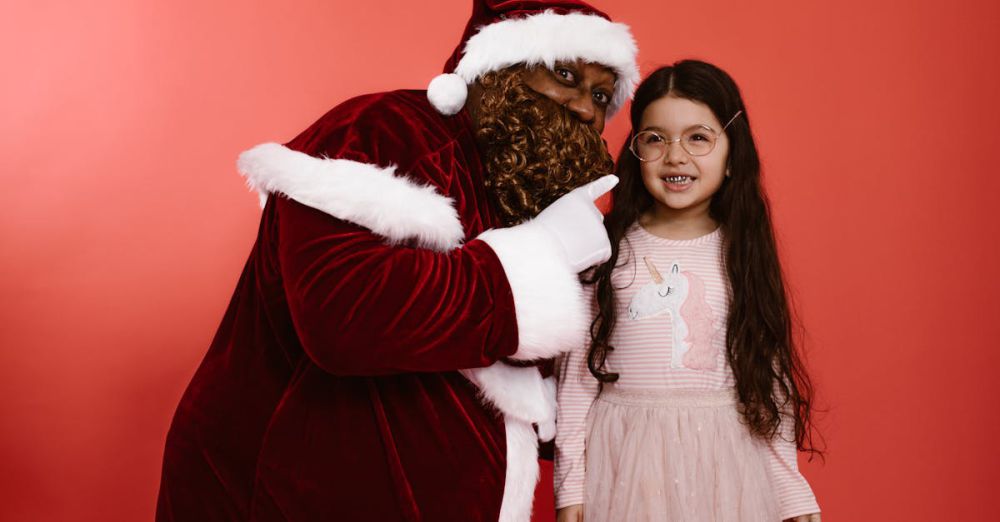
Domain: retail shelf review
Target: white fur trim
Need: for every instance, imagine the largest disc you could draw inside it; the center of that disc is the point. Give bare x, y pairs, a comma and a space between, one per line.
548, 300
548, 37
518, 392
522, 471
447, 93
547, 427
524, 398
373, 197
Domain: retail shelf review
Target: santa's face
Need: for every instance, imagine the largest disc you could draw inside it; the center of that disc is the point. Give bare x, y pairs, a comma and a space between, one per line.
537, 146
585, 89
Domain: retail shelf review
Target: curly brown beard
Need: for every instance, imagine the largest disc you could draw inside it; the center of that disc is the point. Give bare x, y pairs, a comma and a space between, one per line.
534, 150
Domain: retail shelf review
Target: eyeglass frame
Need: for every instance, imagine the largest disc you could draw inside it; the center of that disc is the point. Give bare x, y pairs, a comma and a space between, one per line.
668, 142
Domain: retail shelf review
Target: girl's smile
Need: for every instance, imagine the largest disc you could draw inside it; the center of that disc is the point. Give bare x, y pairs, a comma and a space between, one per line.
676, 182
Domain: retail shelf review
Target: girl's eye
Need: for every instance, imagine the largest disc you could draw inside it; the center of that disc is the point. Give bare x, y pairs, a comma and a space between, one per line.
651, 137
698, 137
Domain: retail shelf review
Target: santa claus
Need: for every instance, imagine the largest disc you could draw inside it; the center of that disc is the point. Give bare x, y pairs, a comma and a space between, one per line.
415, 248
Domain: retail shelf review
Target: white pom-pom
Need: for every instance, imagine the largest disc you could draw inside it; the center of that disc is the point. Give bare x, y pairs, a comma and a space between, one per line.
447, 93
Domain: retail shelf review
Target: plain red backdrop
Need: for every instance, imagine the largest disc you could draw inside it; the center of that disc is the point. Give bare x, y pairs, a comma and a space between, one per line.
124, 225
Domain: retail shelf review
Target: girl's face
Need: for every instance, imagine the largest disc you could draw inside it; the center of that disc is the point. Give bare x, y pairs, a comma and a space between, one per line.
679, 181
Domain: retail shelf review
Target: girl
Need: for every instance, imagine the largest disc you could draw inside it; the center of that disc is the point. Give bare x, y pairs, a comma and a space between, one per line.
691, 396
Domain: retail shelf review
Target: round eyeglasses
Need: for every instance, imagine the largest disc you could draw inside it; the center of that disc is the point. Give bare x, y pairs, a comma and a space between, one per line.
698, 140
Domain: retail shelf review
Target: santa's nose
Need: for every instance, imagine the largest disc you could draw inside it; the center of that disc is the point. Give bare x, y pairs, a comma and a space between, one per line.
583, 108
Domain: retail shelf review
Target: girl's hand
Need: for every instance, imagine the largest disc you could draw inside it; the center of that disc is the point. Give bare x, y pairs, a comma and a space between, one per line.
572, 513
805, 518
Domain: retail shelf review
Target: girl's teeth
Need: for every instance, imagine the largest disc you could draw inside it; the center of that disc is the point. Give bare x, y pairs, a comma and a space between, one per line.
678, 179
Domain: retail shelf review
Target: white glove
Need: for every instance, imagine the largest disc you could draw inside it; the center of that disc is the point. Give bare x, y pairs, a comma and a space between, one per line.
575, 223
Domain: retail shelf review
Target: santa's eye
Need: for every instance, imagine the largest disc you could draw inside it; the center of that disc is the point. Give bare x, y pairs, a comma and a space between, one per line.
602, 98
565, 74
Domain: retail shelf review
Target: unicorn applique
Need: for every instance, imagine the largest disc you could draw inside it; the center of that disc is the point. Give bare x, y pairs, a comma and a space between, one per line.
682, 294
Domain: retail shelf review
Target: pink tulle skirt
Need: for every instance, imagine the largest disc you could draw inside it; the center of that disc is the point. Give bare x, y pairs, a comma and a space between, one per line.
674, 455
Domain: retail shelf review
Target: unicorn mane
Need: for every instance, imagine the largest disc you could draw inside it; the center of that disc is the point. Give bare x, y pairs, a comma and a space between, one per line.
697, 314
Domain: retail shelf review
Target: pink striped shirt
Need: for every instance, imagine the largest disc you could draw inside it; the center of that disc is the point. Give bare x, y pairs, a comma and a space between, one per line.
656, 353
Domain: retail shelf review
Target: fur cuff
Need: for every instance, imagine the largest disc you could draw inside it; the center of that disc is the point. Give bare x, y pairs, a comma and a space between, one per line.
548, 299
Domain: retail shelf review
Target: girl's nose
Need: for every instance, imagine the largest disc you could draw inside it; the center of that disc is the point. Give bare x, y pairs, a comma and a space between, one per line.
674, 153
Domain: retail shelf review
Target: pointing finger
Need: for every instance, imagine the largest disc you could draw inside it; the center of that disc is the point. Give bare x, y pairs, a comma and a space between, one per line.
601, 186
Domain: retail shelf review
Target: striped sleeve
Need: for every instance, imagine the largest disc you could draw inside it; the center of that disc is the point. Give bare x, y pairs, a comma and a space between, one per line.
576, 392
795, 497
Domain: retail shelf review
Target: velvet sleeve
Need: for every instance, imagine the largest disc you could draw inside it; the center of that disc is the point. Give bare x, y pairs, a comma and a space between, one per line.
362, 307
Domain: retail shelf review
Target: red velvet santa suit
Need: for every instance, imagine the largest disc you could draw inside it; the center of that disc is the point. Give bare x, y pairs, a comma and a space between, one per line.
358, 372
330, 391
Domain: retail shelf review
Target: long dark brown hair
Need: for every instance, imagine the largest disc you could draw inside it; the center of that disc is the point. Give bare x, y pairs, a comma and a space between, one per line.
771, 381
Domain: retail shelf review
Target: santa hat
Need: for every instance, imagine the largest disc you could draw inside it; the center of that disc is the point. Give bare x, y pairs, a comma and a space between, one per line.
502, 33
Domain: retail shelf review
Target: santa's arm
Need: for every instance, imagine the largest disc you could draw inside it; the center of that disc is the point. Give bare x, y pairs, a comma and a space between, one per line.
362, 306
371, 250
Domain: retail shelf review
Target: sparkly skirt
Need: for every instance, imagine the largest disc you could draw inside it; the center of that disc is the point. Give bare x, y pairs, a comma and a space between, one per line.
674, 455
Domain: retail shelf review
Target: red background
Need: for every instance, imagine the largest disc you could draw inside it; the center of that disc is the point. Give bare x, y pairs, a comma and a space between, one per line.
124, 225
